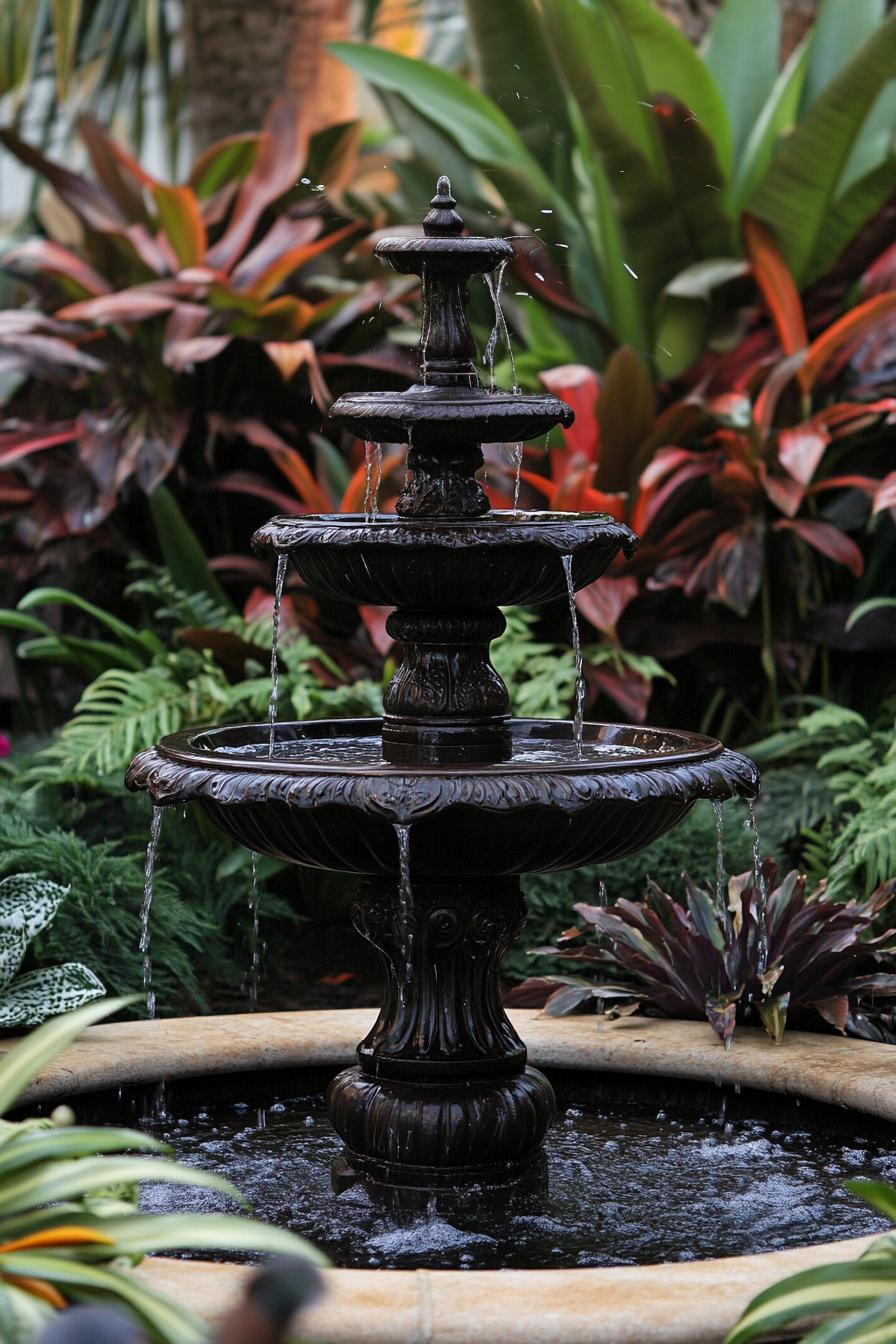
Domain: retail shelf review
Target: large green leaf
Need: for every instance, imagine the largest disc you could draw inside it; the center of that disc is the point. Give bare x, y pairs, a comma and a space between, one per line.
801, 184
849, 212
838, 30
776, 118
74, 1179
150, 1234
741, 26
80, 1282
486, 135
30, 1146
839, 1287
29, 902
877, 138
140, 642
508, 43
20, 1064
669, 64
181, 548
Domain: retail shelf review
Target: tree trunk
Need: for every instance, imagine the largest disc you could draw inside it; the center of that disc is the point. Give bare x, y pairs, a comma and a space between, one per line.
242, 54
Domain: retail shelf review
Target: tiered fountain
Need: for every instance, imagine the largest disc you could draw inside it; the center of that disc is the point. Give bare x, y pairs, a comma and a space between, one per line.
443, 803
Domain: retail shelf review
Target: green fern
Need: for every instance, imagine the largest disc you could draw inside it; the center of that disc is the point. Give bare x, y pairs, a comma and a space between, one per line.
174, 607
118, 715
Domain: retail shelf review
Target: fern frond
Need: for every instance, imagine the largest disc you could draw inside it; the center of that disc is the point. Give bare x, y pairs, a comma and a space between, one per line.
119, 714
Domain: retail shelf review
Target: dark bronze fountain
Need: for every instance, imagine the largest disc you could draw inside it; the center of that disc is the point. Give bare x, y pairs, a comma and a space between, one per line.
443, 803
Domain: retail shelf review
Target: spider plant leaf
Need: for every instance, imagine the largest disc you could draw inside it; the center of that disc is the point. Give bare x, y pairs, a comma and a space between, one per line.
852, 1286
83, 1176
48, 1145
151, 1234
745, 86
21, 1062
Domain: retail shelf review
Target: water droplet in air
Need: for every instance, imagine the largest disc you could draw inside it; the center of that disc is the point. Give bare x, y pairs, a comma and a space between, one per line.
629, 269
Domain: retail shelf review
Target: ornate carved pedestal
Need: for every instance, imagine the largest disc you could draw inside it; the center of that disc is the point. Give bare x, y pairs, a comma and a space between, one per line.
441, 1097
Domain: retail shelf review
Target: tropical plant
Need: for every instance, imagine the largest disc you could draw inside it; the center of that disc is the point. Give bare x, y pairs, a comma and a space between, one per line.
148, 687
183, 317
772, 944
69, 1226
857, 760
854, 1298
28, 904
637, 158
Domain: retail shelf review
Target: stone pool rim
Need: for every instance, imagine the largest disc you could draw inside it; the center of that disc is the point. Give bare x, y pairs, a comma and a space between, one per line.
694, 1302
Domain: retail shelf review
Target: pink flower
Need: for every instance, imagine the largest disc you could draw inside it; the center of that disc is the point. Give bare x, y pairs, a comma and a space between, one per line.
5, 747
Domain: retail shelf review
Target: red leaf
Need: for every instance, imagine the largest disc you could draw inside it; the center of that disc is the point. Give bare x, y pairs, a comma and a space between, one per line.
286, 458
128, 305
885, 494
374, 619
784, 492
50, 259
827, 539
602, 603
801, 449
259, 605
857, 322
776, 285
247, 483
630, 691
290, 356
731, 571
281, 152
88, 200
579, 387
22, 443
283, 260
532, 993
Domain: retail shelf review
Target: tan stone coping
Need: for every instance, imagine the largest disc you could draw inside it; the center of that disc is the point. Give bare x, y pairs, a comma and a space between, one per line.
689, 1303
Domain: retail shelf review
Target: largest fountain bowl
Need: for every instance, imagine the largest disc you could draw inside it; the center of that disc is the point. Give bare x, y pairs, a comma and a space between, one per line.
465, 821
432, 564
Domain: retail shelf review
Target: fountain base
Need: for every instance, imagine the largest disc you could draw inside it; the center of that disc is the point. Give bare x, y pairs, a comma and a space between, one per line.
407, 1142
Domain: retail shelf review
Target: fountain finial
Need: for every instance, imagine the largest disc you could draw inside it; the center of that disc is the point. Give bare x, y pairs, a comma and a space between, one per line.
443, 220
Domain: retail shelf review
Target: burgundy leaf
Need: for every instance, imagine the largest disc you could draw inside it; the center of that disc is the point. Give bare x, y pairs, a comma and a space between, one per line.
827, 539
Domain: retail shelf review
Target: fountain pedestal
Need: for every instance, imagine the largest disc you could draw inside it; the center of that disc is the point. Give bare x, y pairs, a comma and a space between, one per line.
441, 1096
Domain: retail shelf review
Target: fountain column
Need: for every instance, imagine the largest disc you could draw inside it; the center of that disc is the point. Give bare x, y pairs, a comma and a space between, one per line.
441, 1098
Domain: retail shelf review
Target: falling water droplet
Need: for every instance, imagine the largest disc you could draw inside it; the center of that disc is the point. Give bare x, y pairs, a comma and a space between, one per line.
761, 890
516, 460
152, 849
720, 852
579, 720
255, 947
630, 271
279, 582
405, 899
424, 332
602, 891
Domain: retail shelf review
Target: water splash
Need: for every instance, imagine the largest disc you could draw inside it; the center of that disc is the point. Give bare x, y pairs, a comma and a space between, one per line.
517, 463
405, 901
720, 852
152, 849
494, 281
761, 889
579, 720
255, 945
279, 583
602, 891
373, 476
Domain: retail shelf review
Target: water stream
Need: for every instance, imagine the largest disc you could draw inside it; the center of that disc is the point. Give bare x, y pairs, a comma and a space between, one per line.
254, 945
279, 583
517, 463
373, 475
405, 899
720, 852
152, 850
761, 889
494, 281
579, 719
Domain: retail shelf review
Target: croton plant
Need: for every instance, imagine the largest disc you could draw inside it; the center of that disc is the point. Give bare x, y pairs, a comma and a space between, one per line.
165, 320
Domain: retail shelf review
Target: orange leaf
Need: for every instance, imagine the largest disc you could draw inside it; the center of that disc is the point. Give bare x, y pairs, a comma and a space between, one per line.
37, 1288
58, 1236
337, 978
776, 285
857, 322
182, 222
353, 499
291, 260
285, 458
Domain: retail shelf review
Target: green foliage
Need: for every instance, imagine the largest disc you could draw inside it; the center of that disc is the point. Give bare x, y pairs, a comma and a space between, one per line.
28, 905
200, 922
65, 1237
855, 1299
540, 676
692, 845
641, 129
856, 760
